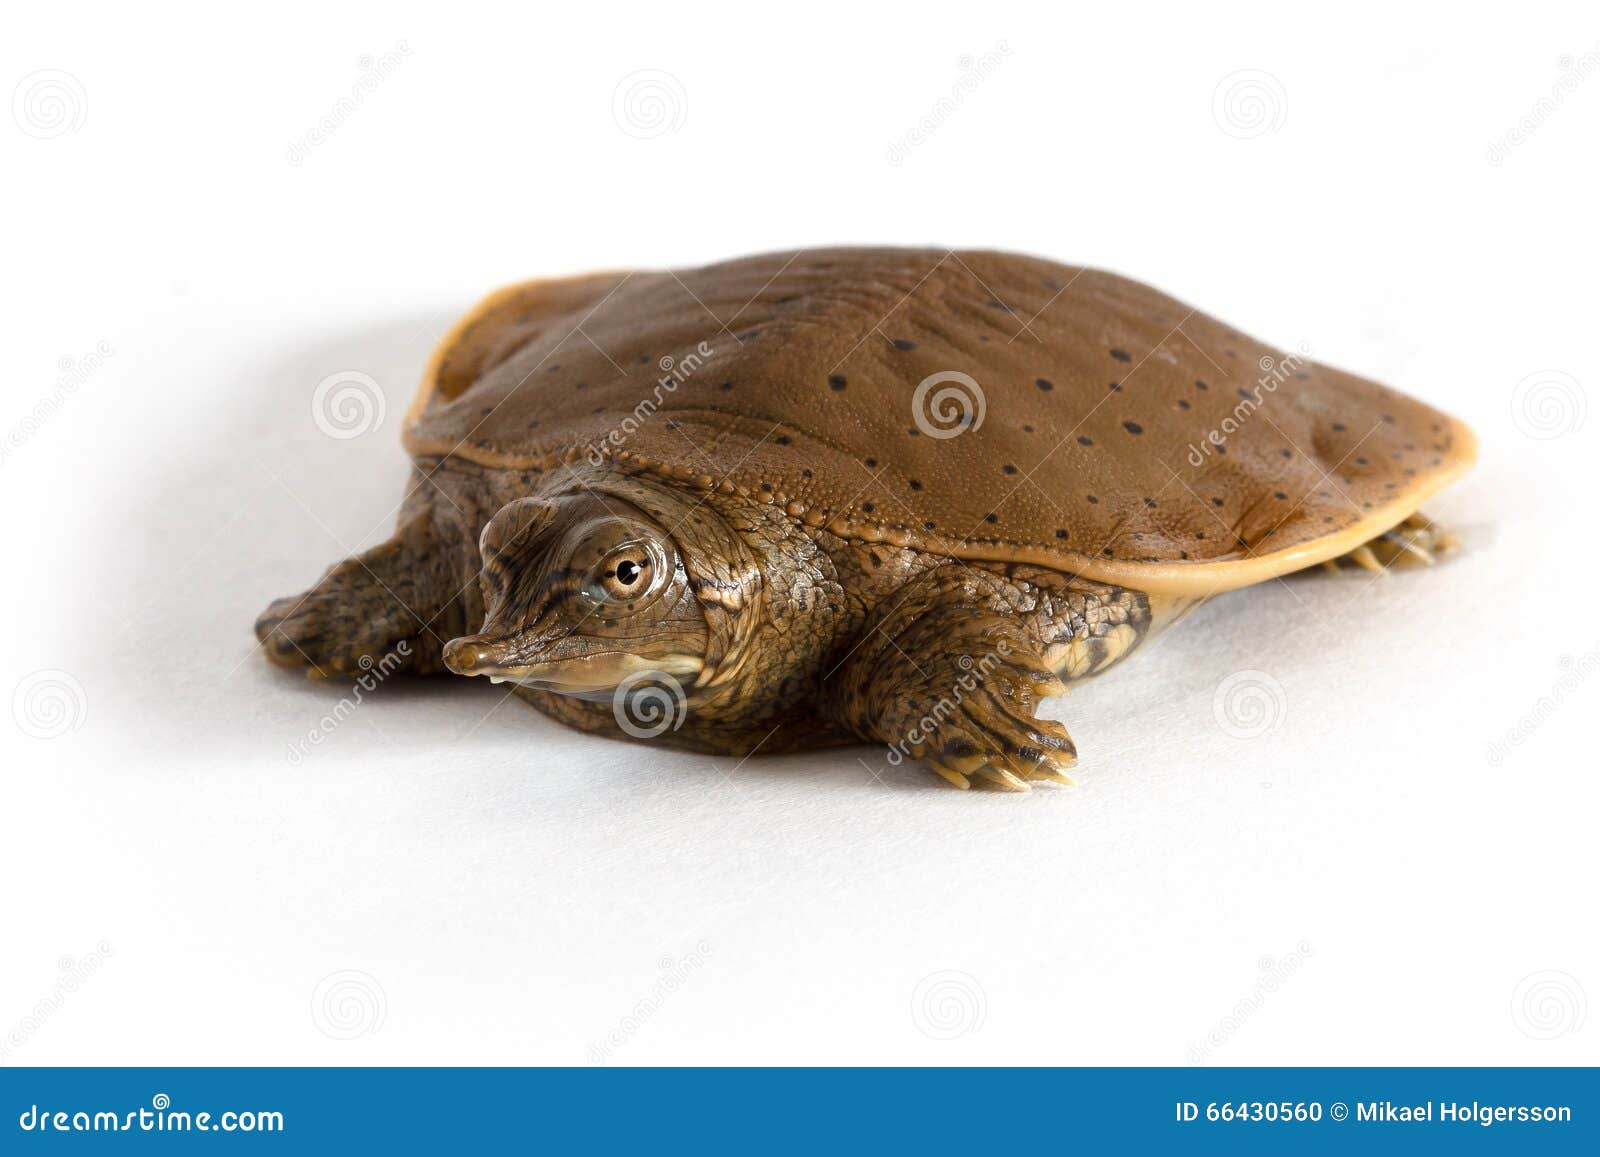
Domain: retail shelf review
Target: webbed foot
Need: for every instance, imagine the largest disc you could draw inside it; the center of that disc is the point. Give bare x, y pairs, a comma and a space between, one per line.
953, 674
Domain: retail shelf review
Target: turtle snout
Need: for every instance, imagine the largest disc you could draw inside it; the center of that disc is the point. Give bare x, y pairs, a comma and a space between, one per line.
468, 656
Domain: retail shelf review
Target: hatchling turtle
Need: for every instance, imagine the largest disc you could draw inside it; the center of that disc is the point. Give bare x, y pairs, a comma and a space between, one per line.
892, 496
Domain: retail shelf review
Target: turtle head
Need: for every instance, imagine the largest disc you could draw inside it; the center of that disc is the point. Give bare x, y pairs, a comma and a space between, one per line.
583, 593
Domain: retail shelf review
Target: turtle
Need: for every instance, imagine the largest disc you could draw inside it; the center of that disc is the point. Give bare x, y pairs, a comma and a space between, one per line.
857, 495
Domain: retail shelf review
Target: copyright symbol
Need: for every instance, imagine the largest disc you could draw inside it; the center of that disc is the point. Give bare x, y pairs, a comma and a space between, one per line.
1339, 1111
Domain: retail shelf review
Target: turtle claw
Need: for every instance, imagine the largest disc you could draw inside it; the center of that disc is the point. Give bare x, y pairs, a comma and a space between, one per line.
949, 774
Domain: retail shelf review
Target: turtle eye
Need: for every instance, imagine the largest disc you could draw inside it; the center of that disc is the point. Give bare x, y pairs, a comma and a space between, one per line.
626, 574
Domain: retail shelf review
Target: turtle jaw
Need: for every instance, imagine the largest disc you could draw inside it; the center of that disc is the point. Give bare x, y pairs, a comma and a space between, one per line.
596, 674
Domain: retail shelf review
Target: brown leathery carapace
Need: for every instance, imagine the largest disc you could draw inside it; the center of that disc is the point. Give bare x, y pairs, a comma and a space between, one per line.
890, 496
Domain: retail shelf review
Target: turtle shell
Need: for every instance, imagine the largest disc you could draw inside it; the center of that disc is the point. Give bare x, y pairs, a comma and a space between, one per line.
983, 405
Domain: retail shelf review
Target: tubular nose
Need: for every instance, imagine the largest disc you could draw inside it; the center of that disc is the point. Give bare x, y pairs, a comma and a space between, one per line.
467, 656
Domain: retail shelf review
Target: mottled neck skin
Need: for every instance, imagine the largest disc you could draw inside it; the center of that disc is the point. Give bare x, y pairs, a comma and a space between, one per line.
787, 605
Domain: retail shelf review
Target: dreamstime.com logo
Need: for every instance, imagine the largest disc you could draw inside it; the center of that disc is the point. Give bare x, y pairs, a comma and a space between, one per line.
1249, 704
159, 1117
374, 71
1549, 404
674, 372
347, 404
649, 703
675, 973
349, 1004
48, 704
1574, 71
974, 71
1249, 103
1275, 971
973, 673
74, 974
1549, 1004
74, 373
374, 672
649, 103
949, 1004
948, 404
1274, 372
1575, 671
49, 103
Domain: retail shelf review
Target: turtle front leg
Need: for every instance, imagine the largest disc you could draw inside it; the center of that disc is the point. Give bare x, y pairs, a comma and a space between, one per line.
953, 667
404, 596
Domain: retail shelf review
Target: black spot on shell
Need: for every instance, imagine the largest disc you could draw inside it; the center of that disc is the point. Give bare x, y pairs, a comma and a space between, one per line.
767, 486
1093, 501
725, 387
1183, 403
1199, 385
1061, 534
806, 473
901, 343
991, 518
782, 439
1027, 427
927, 526
1008, 468
1044, 384
1122, 355
1115, 387
868, 507
1150, 502
1339, 427
837, 382
1216, 502
914, 484
1361, 461
1285, 453
872, 463
1200, 534
1133, 427
1280, 496
1084, 440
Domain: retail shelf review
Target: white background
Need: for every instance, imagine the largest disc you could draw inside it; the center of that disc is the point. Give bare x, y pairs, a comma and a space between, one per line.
1363, 882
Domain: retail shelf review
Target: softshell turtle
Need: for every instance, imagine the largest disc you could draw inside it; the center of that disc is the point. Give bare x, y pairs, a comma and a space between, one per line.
885, 495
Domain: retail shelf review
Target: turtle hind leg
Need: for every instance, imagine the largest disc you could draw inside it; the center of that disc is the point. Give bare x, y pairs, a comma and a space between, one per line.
1418, 541
401, 598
